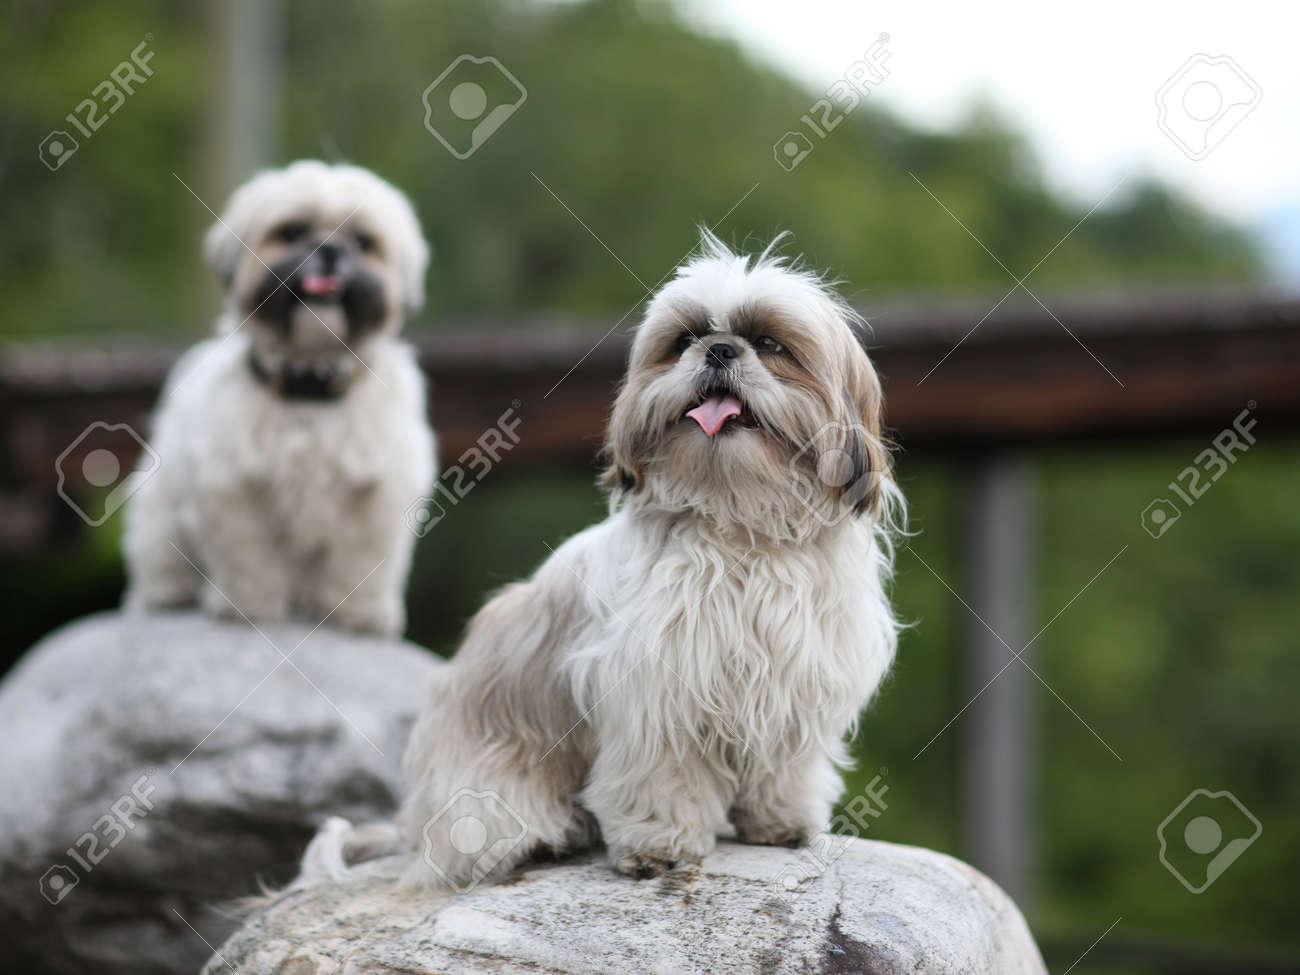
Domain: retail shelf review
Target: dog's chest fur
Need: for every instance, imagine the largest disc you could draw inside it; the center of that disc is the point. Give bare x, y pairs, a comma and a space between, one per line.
307, 464
777, 646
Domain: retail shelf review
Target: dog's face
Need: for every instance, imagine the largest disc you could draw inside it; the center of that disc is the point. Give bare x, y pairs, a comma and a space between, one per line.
318, 259
748, 397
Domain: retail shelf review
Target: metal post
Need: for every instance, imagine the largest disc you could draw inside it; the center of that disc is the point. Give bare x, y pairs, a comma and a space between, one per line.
997, 756
256, 55
246, 91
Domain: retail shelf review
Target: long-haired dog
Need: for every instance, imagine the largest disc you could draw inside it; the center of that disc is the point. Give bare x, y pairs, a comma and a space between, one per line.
700, 655
292, 444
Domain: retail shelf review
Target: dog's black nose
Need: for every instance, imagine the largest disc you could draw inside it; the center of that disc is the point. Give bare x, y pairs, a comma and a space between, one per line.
720, 353
329, 254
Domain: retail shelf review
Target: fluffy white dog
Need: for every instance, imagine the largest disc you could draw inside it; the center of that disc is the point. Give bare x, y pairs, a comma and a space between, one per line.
293, 443
700, 655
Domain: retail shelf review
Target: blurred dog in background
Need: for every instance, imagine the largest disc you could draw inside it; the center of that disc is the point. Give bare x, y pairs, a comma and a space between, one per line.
293, 442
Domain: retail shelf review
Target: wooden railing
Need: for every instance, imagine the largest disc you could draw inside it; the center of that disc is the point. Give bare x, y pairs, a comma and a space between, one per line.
1092, 368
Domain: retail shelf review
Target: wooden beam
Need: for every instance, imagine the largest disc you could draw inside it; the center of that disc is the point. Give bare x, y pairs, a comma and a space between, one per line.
956, 377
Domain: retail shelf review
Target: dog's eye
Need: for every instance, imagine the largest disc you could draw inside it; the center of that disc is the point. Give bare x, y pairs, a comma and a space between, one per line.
684, 342
366, 242
291, 231
765, 343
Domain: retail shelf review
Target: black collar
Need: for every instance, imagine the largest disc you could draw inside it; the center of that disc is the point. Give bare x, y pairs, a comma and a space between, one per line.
320, 383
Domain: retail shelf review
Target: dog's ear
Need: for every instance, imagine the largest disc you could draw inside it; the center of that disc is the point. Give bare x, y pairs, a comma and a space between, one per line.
413, 250
221, 249
856, 463
623, 471
413, 263
223, 244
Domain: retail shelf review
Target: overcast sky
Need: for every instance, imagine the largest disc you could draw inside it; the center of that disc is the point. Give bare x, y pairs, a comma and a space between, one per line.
1081, 80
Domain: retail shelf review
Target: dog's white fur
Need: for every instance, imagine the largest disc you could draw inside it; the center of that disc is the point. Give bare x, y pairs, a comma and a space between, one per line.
700, 655
265, 507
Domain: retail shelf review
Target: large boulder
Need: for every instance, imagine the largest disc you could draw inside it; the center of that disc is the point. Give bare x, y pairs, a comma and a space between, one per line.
873, 908
153, 767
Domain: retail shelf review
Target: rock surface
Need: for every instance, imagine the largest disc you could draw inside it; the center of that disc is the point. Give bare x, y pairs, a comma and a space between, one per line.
876, 908
182, 759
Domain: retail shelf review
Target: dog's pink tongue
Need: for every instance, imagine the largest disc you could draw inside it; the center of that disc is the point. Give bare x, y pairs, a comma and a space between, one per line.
714, 412
321, 284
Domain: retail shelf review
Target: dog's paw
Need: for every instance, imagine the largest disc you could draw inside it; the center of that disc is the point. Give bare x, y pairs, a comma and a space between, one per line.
643, 866
385, 619
234, 604
772, 834
775, 836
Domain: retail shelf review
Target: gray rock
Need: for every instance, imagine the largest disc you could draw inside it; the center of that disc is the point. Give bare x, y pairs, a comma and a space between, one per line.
182, 760
876, 908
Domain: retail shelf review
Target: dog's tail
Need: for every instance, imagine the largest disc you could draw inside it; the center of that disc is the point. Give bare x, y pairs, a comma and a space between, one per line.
338, 845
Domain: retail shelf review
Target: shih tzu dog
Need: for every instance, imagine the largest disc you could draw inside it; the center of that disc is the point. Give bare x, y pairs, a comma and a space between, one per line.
293, 443
700, 656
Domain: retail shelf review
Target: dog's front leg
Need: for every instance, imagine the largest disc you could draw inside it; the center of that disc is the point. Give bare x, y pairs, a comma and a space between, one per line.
788, 803
656, 811
159, 564
246, 570
360, 578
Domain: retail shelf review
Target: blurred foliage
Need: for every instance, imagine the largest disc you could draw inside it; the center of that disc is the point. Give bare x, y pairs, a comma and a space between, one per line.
1181, 655
641, 127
